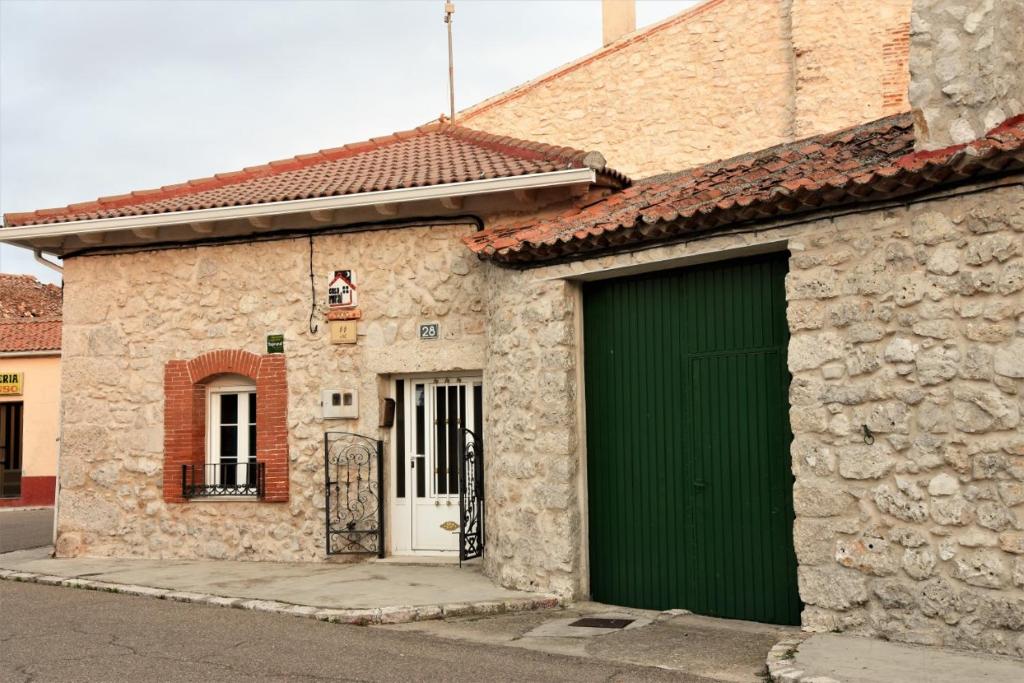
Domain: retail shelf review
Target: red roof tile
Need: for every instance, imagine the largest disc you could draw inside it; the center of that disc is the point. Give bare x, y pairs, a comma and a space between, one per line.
29, 335
23, 296
435, 154
867, 162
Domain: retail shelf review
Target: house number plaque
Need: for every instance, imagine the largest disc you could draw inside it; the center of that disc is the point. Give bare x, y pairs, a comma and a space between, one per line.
430, 331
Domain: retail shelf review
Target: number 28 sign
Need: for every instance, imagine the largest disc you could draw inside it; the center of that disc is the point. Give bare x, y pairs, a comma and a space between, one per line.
430, 331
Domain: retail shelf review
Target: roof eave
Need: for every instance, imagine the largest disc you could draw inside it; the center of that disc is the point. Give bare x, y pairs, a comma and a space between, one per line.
43, 236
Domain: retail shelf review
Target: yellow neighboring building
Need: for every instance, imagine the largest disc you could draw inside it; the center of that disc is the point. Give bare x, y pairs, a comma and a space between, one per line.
30, 332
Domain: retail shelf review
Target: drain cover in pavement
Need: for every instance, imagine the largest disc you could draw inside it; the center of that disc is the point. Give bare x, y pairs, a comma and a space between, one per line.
597, 622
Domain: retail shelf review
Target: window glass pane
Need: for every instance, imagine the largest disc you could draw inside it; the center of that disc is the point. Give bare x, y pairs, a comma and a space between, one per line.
228, 474
421, 420
478, 411
400, 472
228, 442
229, 409
421, 477
454, 425
441, 449
252, 426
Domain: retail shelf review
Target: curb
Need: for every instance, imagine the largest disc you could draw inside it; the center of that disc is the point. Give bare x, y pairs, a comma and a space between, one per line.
781, 662
358, 617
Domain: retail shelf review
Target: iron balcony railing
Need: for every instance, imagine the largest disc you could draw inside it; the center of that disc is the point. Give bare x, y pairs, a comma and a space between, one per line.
223, 479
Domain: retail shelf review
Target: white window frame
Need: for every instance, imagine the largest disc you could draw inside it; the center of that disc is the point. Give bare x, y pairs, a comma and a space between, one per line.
213, 426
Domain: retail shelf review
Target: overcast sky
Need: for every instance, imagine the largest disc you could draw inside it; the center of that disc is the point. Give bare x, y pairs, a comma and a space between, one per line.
101, 98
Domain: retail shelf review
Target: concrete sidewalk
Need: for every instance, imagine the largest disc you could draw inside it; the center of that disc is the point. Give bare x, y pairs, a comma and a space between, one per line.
360, 593
834, 658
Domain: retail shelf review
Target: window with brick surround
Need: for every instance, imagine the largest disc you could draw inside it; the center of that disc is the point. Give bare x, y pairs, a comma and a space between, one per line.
190, 387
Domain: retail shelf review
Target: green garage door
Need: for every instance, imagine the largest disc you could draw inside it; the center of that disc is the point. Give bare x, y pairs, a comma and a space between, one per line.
688, 468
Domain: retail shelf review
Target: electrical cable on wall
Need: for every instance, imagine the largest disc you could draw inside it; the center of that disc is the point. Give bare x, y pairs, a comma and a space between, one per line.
312, 291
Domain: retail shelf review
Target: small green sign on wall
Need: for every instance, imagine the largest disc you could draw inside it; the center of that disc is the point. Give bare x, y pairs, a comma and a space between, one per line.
275, 343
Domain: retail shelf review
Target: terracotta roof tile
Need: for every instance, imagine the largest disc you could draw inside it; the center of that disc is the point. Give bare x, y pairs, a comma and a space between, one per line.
23, 296
864, 163
29, 335
435, 154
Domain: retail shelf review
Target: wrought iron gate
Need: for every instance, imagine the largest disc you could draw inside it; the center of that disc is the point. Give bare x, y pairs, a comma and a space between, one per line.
471, 496
354, 488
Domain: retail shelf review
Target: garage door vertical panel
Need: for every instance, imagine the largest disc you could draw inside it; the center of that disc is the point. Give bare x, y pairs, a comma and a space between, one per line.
736, 387
690, 489
621, 358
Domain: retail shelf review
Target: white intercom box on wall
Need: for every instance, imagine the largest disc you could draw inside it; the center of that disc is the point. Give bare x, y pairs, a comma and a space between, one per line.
339, 403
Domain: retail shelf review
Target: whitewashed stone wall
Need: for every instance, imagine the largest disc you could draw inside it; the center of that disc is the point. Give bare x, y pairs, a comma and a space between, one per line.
907, 320
126, 315
967, 68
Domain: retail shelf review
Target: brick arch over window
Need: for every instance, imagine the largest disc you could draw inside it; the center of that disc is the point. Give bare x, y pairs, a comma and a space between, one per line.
185, 416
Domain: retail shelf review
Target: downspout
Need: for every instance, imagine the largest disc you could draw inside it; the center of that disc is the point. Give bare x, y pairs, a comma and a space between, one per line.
56, 483
38, 255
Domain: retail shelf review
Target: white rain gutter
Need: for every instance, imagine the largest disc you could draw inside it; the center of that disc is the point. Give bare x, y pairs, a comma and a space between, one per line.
574, 176
29, 354
37, 254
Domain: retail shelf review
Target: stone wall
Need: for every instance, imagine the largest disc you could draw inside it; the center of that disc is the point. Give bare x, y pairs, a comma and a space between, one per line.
851, 62
908, 320
911, 323
532, 446
724, 78
126, 315
967, 68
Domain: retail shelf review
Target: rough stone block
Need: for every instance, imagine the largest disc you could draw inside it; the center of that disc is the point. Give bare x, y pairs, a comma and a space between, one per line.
918, 563
1012, 542
867, 555
981, 568
943, 485
899, 505
820, 500
953, 510
1009, 359
832, 588
860, 461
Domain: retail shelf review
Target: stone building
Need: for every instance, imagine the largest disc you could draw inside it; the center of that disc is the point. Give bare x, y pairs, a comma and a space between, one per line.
720, 79
784, 386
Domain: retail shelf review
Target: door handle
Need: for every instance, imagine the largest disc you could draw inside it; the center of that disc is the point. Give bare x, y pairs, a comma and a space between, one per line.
700, 484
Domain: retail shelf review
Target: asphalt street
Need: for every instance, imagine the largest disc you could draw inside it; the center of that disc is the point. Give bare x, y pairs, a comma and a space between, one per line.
65, 634
21, 529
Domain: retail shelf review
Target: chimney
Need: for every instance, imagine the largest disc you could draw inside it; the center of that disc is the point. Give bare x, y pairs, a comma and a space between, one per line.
618, 18
966, 68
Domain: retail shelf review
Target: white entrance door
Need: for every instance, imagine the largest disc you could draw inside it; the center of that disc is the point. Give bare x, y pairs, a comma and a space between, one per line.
428, 426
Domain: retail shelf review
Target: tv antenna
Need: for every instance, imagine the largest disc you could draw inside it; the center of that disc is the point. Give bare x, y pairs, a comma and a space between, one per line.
449, 10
